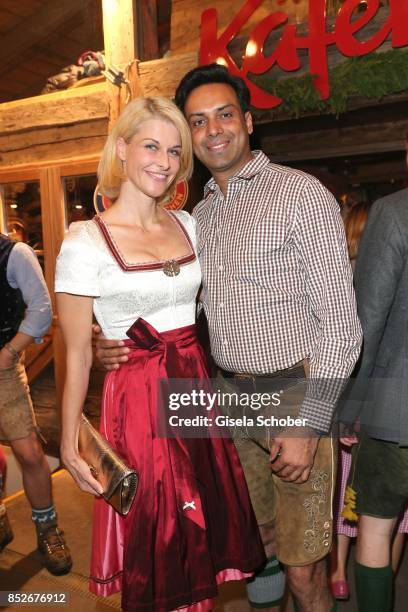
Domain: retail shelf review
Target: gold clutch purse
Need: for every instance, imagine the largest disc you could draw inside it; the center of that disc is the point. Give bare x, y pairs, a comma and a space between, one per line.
119, 482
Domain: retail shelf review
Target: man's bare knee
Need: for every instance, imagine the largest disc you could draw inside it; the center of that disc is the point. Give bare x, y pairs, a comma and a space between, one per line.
28, 451
306, 576
300, 574
374, 540
372, 526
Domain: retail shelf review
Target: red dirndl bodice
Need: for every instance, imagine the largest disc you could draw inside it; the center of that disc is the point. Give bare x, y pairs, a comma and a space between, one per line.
162, 555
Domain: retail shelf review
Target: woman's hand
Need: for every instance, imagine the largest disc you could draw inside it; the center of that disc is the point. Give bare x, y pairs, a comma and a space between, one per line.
351, 434
349, 440
81, 472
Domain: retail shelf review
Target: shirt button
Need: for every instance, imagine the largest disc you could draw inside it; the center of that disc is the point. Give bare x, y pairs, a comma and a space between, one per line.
221, 304
220, 268
225, 342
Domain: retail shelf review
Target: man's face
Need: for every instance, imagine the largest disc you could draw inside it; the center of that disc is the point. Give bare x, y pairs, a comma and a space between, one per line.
219, 129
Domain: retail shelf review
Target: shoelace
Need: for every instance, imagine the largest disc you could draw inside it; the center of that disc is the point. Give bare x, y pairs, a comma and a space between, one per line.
53, 539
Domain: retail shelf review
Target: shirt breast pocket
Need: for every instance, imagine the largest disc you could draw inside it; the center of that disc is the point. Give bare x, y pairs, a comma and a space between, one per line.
259, 249
270, 235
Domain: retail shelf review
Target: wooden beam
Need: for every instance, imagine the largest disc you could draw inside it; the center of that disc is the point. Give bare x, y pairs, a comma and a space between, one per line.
60, 108
53, 207
120, 35
339, 151
119, 32
161, 77
46, 154
53, 143
335, 142
17, 142
89, 163
31, 31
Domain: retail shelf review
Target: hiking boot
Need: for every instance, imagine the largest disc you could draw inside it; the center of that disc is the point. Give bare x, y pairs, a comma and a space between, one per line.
55, 553
6, 533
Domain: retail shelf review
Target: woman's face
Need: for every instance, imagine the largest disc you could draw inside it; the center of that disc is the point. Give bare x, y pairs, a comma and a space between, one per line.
152, 157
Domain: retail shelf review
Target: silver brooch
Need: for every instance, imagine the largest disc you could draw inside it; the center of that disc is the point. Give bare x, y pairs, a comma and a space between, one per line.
171, 267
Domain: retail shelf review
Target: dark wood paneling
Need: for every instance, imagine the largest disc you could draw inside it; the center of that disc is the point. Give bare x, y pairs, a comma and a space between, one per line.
21, 8
148, 23
49, 17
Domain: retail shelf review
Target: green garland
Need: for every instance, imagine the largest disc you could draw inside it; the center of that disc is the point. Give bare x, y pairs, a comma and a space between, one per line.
372, 76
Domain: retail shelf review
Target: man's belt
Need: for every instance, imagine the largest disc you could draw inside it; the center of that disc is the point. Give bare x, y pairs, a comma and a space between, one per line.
251, 383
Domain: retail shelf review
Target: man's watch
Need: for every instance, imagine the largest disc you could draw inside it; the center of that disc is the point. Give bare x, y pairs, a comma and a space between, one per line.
12, 350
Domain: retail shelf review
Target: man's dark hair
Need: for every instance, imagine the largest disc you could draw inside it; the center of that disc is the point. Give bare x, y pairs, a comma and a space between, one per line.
212, 73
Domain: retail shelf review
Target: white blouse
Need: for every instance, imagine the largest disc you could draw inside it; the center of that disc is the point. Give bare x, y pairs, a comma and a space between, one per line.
91, 264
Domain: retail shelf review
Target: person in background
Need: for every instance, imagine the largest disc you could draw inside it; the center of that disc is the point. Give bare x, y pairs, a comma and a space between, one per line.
354, 226
377, 401
346, 529
25, 316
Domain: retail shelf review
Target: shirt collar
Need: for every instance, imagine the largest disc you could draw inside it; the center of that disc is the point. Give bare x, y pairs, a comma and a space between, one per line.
251, 169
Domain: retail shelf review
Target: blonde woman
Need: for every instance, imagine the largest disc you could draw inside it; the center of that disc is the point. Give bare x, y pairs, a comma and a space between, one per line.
136, 268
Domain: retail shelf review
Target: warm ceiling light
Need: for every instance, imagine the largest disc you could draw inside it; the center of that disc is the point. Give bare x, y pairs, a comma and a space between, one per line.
251, 49
78, 206
13, 205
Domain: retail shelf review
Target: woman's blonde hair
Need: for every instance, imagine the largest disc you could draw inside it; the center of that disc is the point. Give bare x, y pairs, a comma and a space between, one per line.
110, 171
354, 226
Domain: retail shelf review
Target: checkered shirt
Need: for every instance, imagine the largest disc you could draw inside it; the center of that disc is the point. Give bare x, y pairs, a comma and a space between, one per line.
277, 283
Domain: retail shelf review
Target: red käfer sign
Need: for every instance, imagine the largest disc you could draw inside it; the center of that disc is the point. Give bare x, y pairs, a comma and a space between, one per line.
316, 41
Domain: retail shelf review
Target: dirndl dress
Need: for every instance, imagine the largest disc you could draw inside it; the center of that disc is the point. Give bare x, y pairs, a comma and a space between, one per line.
166, 553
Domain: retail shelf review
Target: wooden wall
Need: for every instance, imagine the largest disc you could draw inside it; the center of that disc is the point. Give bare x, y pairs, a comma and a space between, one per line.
61, 125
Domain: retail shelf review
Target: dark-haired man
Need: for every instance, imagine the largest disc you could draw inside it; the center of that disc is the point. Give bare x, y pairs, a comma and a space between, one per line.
278, 297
